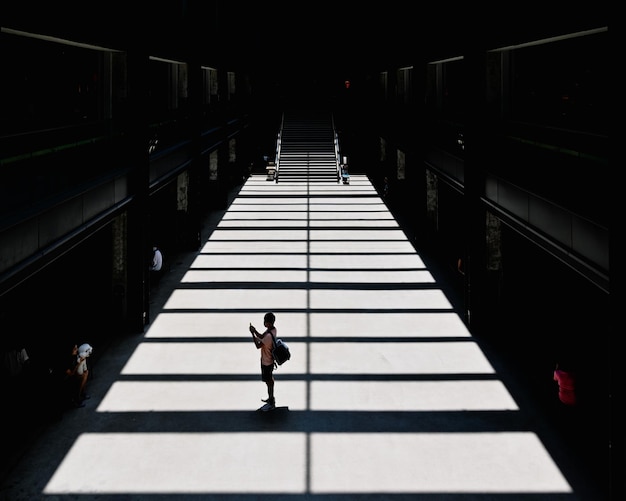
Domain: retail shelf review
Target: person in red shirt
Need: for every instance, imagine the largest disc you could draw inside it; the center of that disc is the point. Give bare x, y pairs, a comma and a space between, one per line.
565, 378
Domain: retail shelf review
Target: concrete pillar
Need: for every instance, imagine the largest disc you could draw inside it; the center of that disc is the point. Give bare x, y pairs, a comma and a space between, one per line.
418, 170
119, 282
476, 149
190, 190
138, 249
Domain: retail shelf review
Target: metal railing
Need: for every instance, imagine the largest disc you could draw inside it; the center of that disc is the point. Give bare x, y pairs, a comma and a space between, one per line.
337, 157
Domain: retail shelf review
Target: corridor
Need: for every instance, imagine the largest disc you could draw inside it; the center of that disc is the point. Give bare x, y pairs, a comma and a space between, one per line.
386, 396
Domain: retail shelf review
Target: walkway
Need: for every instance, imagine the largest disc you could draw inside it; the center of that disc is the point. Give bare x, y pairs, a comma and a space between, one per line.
388, 394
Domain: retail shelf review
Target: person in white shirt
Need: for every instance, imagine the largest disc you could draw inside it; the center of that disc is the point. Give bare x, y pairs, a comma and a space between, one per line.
157, 259
156, 265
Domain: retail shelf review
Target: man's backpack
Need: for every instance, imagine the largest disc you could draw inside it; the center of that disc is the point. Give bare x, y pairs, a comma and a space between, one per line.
281, 351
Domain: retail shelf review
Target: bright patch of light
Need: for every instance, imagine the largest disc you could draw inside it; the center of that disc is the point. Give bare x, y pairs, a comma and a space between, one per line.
432, 463
332, 463
360, 234
358, 262
340, 246
258, 261
260, 235
344, 396
343, 223
202, 299
381, 277
207, 358
273, 224
221, 325
387, 325
379, 299
371, 357
253, 217
372, 216
236, 247
182, 463
410, 396
251, 276
199, 396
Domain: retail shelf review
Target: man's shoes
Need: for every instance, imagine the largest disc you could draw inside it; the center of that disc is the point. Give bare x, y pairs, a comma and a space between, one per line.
79, 404
269, 401
85, 397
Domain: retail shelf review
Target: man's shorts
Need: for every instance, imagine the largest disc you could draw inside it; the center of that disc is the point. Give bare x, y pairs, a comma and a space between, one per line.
267, 373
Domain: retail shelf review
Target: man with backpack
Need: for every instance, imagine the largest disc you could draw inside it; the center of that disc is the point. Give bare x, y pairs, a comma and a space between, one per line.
265, 342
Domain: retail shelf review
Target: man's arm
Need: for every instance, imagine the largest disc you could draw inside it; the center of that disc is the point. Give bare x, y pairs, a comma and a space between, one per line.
256, 337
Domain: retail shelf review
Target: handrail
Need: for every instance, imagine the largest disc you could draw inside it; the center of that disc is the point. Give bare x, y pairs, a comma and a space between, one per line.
337, 157
337, 152
277, 159
279, 146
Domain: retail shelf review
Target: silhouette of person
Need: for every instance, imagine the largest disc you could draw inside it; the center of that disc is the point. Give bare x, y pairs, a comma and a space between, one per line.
265, 342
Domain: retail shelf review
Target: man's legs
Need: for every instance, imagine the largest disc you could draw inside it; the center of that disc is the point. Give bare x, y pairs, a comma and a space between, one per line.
267, 372
270, 390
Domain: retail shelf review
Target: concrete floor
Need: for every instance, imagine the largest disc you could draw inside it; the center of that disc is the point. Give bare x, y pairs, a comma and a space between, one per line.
387, 394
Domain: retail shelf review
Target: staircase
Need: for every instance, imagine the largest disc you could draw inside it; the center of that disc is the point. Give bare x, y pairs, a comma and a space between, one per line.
307, 151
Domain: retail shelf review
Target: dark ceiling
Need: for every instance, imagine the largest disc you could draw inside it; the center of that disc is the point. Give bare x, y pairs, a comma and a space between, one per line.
295, 37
